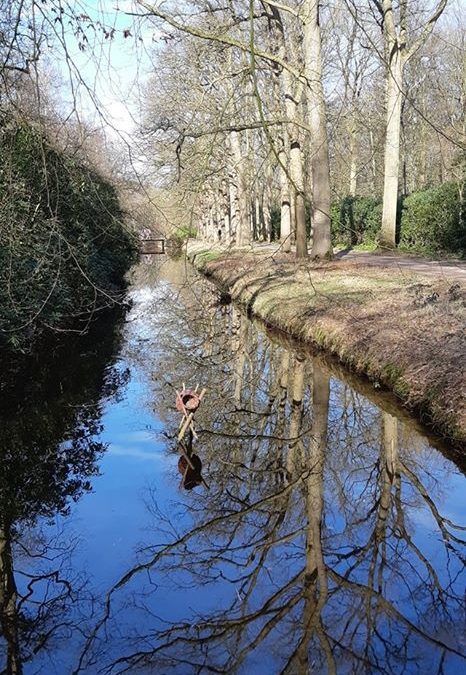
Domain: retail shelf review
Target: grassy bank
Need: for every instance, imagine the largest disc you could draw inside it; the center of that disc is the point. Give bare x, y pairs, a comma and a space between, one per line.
404, 332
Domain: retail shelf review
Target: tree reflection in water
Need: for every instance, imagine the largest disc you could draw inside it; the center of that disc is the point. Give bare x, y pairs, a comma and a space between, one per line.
49, 420
322, 544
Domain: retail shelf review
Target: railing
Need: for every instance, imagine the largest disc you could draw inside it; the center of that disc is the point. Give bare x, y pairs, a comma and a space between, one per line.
152, 246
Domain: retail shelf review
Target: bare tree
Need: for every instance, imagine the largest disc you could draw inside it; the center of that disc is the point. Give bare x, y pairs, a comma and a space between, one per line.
399, 46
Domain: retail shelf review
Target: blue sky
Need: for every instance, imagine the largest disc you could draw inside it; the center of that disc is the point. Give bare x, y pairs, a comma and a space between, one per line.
113, 70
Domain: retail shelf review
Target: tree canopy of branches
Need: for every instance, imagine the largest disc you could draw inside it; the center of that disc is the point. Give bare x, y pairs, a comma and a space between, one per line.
261, 115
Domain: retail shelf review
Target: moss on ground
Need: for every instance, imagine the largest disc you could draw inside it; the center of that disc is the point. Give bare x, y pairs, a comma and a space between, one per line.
204, 257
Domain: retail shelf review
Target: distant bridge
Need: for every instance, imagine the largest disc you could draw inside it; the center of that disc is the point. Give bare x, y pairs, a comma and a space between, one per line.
152, 246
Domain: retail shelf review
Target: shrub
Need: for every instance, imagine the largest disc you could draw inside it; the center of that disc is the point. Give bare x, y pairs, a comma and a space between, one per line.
275, 219
356, 220
63, 248
184, 232
434, 221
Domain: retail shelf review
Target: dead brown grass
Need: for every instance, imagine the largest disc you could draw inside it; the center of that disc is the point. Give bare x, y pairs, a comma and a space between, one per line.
403, 331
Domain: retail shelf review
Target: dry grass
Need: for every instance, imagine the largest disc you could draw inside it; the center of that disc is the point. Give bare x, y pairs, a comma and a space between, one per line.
403, 331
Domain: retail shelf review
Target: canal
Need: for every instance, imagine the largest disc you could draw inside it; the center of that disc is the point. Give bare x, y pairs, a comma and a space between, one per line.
328, 535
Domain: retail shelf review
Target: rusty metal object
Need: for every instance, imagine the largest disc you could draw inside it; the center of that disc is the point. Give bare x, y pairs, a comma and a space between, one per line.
189, 464
187, 400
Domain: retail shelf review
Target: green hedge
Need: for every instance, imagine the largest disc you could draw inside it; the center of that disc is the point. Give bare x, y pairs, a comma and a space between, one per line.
429, 221
63, 248
433, 221
356, 220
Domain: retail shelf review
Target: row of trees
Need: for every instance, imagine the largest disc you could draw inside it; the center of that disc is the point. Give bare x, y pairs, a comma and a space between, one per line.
262, 113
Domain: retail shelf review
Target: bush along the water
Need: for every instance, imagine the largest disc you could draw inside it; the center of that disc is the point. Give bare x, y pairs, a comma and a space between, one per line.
63, 247
434, 221
429, 221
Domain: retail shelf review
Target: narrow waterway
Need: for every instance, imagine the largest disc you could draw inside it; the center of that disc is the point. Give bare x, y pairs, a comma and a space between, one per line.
328, 535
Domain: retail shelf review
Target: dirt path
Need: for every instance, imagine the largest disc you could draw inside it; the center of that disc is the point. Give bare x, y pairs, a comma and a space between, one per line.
445, 269
454, 270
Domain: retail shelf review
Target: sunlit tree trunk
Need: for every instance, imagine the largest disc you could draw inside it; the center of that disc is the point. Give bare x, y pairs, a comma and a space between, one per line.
285, 199
373, 162
296, 170
278, 46
353, 173
321, 241
292, 96
234, 205
397, 52
243, 229
267, 205
211, 224
392, 148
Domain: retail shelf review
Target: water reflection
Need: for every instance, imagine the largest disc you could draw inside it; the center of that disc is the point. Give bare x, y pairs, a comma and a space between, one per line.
327, 541
49, 450
331, 538
189, 464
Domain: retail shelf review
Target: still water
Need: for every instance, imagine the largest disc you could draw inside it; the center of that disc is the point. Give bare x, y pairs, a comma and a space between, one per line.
328, 536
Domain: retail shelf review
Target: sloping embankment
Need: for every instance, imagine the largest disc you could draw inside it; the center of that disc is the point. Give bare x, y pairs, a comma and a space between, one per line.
404, 332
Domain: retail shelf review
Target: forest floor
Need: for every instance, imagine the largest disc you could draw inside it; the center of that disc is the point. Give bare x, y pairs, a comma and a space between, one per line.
401, 326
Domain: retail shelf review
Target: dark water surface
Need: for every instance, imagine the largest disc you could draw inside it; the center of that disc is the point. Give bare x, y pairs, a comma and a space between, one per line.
329, 539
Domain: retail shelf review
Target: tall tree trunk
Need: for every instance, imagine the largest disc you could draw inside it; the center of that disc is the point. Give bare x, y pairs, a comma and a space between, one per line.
296, 170
211, 224
292, 97
285, 199
267, 196
321, 240
397, 52
293, 213
373, 162
392, 148
243, 229
298, 210
226, 211
353, 173
258, 217
234, 204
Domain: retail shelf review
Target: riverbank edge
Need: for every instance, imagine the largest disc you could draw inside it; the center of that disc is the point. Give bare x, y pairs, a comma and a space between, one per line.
427, 402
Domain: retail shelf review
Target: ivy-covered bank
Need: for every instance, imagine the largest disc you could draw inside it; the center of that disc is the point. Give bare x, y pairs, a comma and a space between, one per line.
64, 249
404, 332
